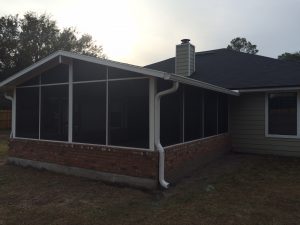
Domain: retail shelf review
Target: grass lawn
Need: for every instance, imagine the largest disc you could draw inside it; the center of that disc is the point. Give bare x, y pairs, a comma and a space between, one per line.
237, 190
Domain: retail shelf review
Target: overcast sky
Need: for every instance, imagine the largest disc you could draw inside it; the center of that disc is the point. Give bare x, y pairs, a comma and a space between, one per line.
145, 31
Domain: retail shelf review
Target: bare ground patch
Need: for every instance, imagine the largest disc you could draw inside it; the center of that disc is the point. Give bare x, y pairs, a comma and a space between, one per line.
237, 189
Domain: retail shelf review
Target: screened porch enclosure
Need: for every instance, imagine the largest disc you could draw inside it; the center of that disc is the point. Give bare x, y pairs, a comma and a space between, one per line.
191, 113
84, 102
109, 106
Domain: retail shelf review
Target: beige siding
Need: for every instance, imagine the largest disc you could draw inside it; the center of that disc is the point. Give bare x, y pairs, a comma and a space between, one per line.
247, 127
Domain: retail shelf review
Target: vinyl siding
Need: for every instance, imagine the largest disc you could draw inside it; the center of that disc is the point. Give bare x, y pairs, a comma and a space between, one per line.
247, 128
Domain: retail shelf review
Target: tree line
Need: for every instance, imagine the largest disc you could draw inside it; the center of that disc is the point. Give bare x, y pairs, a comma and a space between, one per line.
26, 40
242, 45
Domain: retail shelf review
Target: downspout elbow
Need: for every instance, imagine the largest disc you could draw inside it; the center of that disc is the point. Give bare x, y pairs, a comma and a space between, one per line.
8, 97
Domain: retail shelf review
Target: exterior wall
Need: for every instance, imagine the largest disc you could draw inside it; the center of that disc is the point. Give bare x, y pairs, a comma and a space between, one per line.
247, 128
182, 159
112, 161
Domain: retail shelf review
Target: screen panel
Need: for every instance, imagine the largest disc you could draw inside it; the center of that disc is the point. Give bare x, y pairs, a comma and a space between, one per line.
31, 82
210, 113
54, 112
57, 74
222, 114
27, 112
171, 114
89, 118
86, 71
192, 113
115, 73
129, 113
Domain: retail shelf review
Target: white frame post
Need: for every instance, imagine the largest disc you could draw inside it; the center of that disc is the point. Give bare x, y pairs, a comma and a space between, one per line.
183, 113
298, 113
40, 105
13, 118
70, 119
106, 106
203, 119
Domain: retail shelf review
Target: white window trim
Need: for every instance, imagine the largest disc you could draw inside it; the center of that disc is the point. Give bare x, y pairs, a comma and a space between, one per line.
297, 136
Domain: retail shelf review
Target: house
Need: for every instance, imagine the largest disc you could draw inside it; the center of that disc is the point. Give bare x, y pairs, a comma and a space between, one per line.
150, 126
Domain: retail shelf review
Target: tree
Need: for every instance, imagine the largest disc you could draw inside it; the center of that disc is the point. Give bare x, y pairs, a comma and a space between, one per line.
295, 57
242, 45
24, 41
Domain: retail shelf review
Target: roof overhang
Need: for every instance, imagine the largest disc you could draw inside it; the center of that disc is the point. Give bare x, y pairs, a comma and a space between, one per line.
65, 57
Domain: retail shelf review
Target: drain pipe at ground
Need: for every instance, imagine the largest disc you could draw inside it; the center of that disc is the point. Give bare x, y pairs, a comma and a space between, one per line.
159, 148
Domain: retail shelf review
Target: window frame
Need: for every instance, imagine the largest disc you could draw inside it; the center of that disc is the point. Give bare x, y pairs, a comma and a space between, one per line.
267, 134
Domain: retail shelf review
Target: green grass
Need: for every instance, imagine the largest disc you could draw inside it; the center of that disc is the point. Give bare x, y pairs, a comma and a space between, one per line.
238, 189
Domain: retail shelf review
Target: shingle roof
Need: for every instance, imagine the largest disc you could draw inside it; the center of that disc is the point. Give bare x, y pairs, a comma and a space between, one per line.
236, 70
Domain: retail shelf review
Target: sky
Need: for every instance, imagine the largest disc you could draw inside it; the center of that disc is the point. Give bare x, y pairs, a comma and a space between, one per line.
141, 32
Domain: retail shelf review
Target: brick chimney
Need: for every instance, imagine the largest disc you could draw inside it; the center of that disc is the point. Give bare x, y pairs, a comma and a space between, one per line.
185, 58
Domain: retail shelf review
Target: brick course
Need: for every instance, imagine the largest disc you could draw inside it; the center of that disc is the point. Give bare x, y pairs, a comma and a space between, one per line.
180, 159
183, 158
130, 162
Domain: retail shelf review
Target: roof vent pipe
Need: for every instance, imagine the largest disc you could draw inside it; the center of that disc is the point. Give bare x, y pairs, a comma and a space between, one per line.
185, 58
185, 41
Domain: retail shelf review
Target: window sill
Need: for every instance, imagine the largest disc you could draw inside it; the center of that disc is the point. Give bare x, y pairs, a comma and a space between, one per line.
282, 136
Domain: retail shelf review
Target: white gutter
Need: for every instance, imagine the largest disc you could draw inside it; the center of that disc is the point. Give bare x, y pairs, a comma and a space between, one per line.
10, 99
268, 89
159, 148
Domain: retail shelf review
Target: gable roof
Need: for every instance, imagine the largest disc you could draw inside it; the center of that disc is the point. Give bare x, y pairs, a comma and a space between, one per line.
235, 70
59, 56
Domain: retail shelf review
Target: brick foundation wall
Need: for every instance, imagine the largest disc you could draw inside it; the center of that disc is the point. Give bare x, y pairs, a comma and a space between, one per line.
129, 162
182, 159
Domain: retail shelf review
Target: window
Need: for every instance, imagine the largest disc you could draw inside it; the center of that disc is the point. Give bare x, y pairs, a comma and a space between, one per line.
89, 113
282, 113
128, 113
54, 112
27, 112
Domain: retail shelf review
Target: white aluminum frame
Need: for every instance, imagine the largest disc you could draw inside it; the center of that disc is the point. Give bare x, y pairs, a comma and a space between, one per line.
70, 105
13, 120
297, 136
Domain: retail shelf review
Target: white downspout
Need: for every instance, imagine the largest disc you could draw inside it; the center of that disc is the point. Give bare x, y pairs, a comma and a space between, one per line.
159, 148
10, 99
